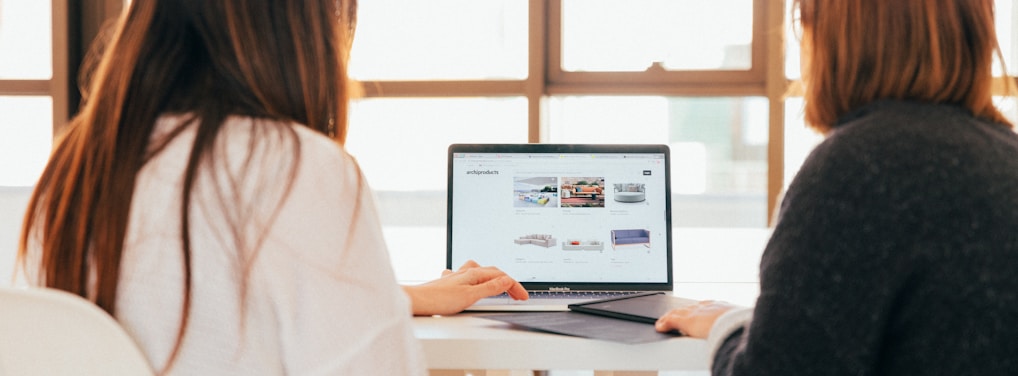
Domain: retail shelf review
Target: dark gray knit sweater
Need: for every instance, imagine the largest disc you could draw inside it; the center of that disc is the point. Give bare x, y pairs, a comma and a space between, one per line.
895, 253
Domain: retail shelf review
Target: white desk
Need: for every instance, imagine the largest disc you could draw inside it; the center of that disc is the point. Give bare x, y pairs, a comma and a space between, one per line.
719, 264
467, 342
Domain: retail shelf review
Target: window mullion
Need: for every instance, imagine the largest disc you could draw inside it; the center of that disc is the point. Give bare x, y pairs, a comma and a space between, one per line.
777, 88
459, 88
59, 87
25, 87
537, 62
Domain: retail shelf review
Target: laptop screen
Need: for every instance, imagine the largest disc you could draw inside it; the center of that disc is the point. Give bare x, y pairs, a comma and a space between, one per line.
574, 216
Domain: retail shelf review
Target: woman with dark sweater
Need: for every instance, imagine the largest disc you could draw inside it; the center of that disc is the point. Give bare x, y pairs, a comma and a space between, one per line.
896, 247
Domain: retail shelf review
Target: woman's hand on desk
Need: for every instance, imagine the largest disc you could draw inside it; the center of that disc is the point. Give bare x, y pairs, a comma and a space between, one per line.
694, 320
455, 291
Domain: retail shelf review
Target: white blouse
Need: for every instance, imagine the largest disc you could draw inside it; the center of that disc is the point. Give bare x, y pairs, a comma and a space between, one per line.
305, 287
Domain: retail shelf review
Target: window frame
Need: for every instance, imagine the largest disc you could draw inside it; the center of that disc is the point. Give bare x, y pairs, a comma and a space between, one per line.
75, 23
766, 77
56, 86
654, 79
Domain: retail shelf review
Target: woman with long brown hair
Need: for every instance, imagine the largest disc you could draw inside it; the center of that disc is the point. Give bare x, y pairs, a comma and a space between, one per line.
203, 198
895, 250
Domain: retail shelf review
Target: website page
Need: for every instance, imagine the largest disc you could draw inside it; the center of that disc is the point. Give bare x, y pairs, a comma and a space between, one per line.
591, 218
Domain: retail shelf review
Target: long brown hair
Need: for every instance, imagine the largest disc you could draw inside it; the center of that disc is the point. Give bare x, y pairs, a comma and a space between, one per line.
281, 60
858, 51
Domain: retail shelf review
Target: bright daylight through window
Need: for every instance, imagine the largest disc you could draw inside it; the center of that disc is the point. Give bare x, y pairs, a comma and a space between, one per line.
708, 78
26, 121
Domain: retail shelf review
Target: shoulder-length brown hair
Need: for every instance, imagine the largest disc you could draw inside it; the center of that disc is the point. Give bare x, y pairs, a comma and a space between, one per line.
281, 60
858, 51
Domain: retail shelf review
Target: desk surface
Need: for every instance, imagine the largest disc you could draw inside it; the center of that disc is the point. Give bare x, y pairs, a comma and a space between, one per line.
467, 341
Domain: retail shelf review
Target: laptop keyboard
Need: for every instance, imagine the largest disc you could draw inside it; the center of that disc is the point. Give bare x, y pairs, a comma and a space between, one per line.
592, 295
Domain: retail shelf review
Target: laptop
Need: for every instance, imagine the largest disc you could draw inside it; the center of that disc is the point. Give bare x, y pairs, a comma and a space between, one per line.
572, 223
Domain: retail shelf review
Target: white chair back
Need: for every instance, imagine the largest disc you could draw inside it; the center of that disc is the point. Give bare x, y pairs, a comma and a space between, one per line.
51, 332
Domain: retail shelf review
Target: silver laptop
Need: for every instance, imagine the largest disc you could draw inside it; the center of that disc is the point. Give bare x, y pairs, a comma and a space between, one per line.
572, 223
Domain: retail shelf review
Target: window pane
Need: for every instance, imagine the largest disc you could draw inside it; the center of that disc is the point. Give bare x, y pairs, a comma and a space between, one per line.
440, 39
26, 138
1008, 105
799, 139
25, 40
1006, 29
401, 145
792, 45
620, 36
718, 147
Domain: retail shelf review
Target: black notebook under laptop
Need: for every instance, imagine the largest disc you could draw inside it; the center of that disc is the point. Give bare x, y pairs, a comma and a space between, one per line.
629, 319
645, 308
586, 221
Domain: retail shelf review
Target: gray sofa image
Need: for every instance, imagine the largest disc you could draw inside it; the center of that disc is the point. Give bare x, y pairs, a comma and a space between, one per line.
631, 237
536, 239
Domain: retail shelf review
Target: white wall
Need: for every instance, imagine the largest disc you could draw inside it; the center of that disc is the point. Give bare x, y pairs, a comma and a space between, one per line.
13, 201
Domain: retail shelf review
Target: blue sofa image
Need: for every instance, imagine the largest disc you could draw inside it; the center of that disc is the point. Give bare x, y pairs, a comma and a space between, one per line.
630, 237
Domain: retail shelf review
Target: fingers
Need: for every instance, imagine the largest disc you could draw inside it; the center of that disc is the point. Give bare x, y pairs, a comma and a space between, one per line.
469, 265
480, 274
493, 281
517, 291
494, 286
695, 320
678, 318
670, 321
